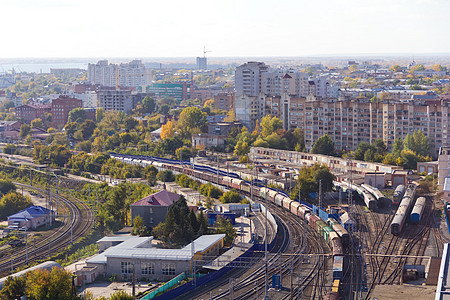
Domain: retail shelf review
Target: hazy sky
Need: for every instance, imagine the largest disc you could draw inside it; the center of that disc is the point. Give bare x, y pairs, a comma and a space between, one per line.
164, 28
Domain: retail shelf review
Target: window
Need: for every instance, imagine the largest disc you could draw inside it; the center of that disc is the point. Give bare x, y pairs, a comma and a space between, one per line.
148, 268
126, 267
168, 269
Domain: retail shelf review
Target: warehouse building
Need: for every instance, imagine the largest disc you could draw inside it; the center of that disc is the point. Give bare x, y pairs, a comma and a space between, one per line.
31, 217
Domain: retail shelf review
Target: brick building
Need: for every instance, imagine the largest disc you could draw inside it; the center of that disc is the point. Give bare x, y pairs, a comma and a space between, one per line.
28, 112
61, 108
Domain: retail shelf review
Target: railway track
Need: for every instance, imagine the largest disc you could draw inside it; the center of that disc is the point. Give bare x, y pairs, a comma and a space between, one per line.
76, 224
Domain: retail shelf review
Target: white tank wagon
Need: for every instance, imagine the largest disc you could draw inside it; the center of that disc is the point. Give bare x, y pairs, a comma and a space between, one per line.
48, 265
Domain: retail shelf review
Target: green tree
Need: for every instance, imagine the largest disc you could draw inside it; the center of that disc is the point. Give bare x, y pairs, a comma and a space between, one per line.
323, 145
139, 227
6, 186
44, 284
99, 114
165, 176
24, 130
418, 143
148, 104
10, 149
77, 115
230, 197
225, 226
37, 123
13, 288
190, 119
269, 125
87, 128
309, 179
395, 68
12, 203
121, 295
164, 109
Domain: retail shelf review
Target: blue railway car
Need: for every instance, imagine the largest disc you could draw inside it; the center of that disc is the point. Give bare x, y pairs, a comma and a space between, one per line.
417, 212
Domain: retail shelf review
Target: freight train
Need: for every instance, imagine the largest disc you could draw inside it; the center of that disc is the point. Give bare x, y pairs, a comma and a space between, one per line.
332, 236
403, 209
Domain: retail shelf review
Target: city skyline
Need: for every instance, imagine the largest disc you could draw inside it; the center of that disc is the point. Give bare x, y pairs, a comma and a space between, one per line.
253, 28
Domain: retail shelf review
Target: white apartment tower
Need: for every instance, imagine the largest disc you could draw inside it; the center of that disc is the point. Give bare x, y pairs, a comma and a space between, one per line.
248, 78
132, 74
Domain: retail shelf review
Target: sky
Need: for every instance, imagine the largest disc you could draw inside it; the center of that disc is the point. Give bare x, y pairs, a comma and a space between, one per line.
233, 28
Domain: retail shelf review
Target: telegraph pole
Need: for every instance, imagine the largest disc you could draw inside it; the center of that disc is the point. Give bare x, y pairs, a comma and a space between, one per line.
266, 283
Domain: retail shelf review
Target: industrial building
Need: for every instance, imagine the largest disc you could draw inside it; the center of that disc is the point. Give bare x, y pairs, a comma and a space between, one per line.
138, 255
31, 217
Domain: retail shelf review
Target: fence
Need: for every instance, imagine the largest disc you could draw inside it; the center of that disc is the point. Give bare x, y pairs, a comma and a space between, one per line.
165, 286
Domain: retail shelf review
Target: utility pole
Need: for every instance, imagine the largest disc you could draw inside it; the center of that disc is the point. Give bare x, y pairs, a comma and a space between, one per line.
231, 288
217, 169
265, 250
320, 193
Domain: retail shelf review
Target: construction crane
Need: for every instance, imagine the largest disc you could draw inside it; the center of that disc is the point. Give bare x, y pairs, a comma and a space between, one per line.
205, 51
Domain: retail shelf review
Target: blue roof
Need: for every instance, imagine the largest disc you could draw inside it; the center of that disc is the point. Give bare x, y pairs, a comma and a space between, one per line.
30, 213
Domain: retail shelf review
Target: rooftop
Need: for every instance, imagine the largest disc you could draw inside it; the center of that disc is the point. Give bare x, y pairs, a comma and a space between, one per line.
135, 248
30, 213
161, 198
443, 287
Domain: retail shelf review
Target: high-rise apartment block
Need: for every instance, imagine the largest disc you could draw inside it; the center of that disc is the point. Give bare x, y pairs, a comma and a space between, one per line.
253, 78
132, 74
202, 63
118, 100
350, 122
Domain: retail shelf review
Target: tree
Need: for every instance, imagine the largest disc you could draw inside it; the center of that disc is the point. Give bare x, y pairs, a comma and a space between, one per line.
191, 118
224, 226
164, 109
139, 227
70, 128
99, 114
165, 176
45, 284
418, 143
37, 123
148, 104
24, 130
395, 68
323, 145
13, 288
230, 197
309, 179
77, 115
184, 153
121, 295
12, 203
10, 149
167, 130
87, 128
6, 186
269, 125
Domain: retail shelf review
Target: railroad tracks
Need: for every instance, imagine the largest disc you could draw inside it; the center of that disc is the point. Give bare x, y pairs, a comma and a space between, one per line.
78, 221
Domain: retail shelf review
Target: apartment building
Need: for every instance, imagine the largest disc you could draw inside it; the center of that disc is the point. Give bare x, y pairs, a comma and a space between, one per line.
350, 122
248, 78
118, 100
132, 74
61, 108
224, 101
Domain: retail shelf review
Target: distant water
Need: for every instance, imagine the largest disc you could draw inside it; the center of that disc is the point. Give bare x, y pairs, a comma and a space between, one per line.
39, 68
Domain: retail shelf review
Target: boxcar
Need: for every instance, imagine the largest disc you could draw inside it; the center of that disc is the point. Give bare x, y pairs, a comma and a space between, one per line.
279, 199
340, 230
312, 219
295, 208
245, 187
320, 225
226, 181
337, 247
287, 202
326, 232
263, 192
271, 195
303, 211
236, 183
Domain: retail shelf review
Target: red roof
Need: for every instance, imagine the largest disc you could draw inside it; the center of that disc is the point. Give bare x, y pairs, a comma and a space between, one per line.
162, 198
286, 76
